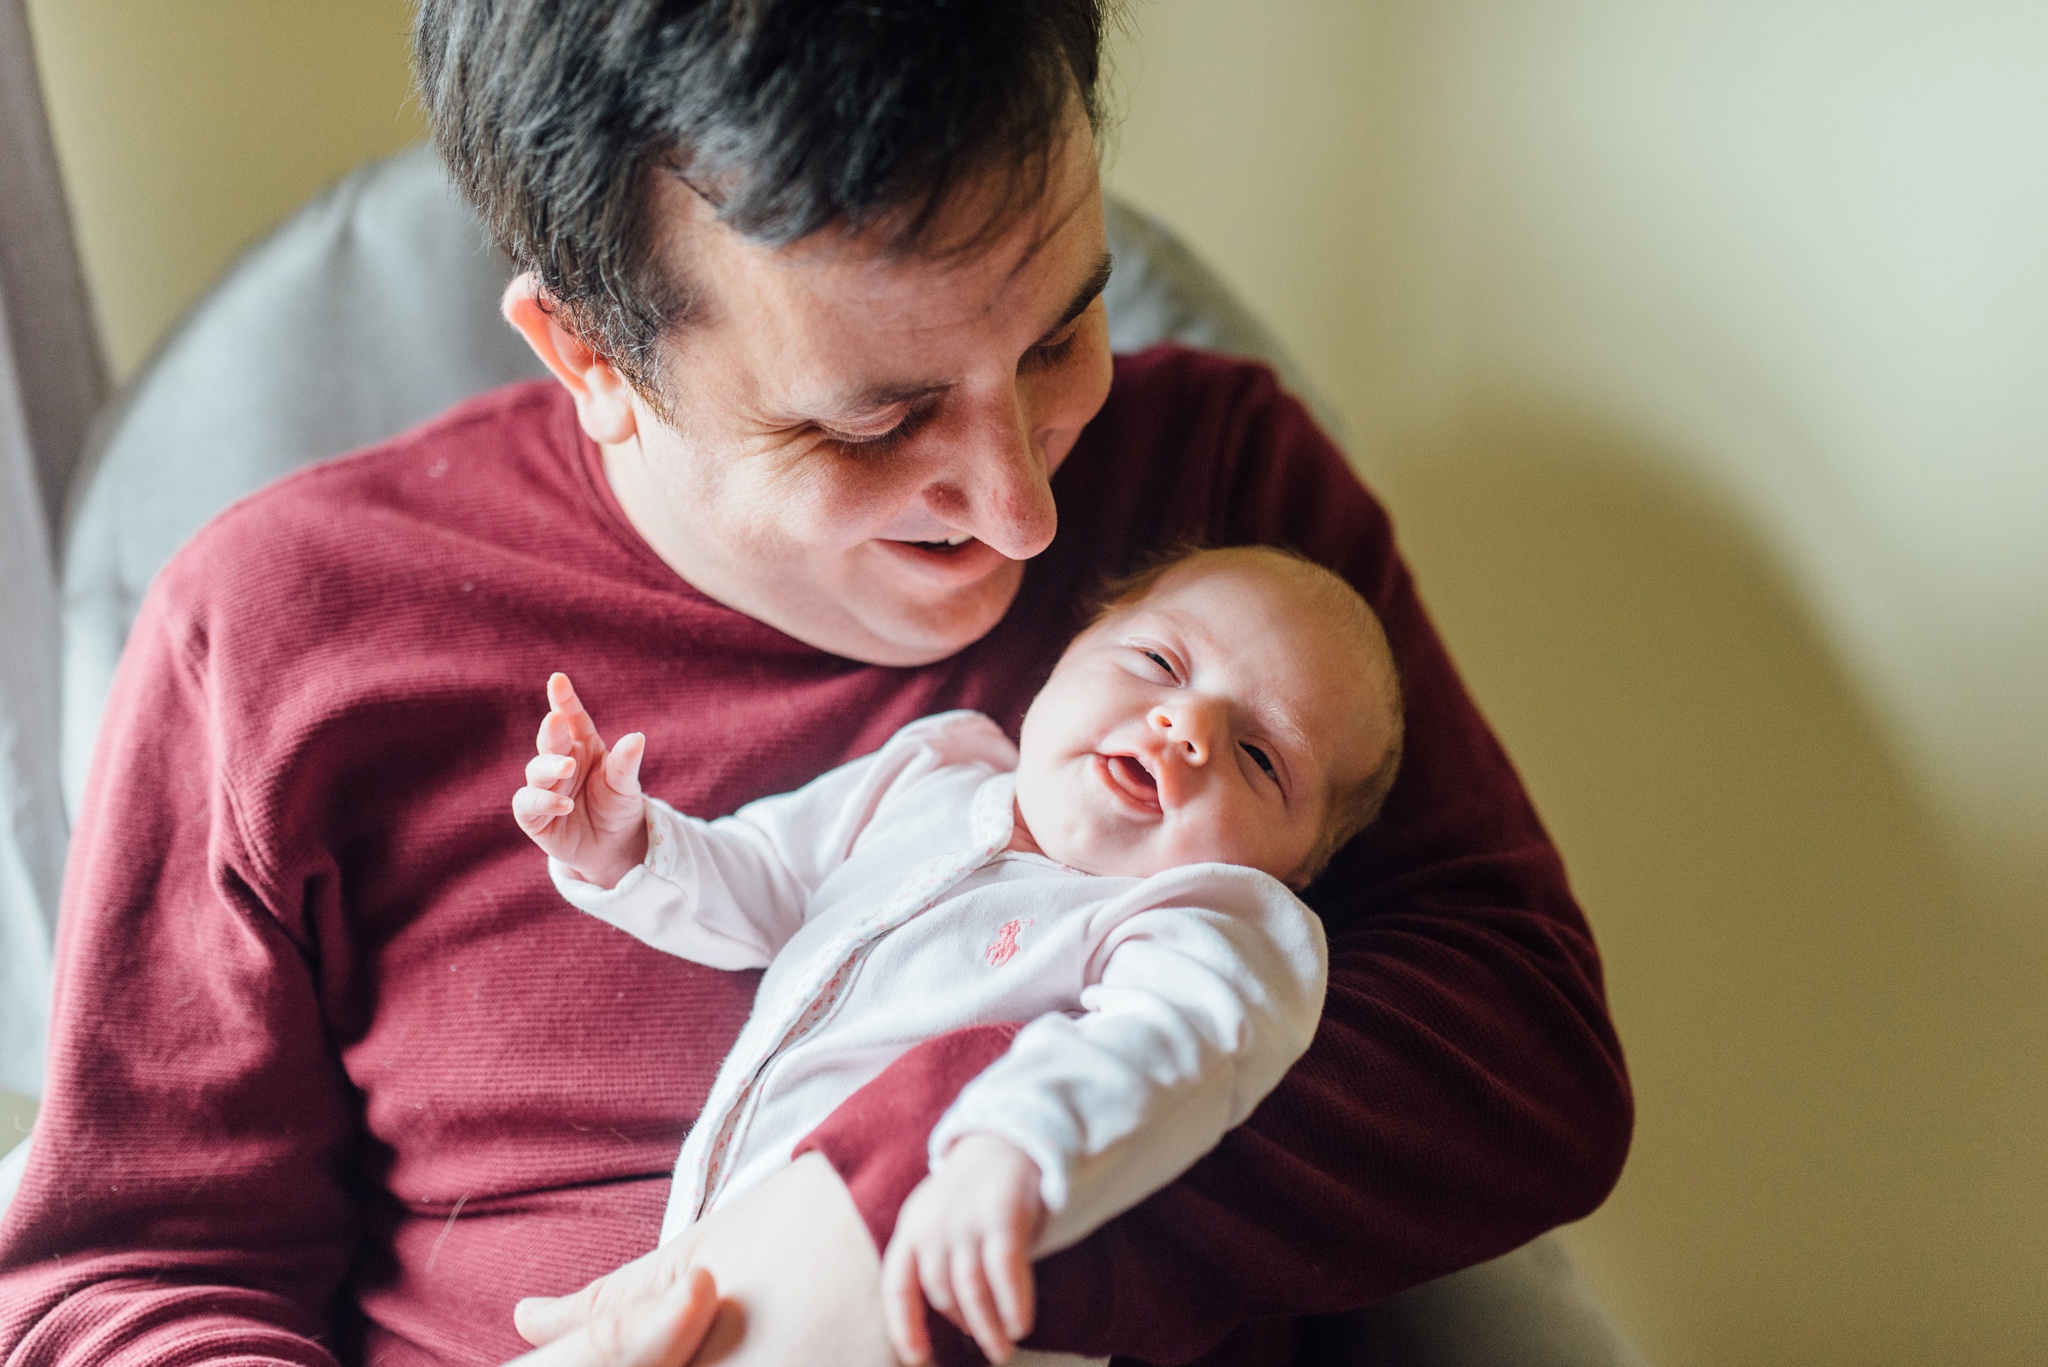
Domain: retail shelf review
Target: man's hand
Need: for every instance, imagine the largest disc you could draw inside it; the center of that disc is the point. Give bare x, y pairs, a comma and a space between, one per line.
582, 802
654, 1331
963, 1242
796, 1269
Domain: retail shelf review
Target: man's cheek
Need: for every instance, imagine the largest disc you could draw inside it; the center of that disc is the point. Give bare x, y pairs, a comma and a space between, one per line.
837, 502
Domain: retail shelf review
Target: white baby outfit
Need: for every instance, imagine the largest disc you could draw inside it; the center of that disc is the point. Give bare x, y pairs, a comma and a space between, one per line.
886, 910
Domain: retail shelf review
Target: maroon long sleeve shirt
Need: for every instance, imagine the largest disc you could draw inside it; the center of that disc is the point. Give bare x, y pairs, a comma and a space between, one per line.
335, 1074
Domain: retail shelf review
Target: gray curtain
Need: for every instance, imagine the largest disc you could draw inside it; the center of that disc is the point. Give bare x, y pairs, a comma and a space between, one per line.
51, 380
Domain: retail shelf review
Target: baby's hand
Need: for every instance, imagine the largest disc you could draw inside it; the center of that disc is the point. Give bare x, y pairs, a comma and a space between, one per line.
581, 803
965, 1238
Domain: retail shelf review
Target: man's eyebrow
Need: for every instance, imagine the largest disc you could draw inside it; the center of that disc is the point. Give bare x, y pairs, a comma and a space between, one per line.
1091, 289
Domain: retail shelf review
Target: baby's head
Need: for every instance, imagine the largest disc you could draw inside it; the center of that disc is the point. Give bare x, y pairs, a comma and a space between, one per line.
1238, 706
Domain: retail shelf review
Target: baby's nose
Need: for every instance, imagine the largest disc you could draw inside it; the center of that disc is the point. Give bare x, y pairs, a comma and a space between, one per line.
1185, 731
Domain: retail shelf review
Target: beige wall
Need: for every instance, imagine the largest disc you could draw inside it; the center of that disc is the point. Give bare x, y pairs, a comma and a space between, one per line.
1701, 350
187, 129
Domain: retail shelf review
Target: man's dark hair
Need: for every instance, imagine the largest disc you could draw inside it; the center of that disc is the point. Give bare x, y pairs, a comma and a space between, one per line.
786, 115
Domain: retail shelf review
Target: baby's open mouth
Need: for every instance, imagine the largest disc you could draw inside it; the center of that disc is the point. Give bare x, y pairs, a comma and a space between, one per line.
1131, 778
944, 544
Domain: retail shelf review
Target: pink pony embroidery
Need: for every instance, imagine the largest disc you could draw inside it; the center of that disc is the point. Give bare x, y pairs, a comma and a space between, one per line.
1004, 945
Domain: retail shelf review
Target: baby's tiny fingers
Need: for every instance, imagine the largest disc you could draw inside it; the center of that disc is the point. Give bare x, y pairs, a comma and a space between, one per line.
535, 808
545, 771
622, 765
1009, 1278
562, 697
938, 1288
562, 693
977, 1306
903, 1305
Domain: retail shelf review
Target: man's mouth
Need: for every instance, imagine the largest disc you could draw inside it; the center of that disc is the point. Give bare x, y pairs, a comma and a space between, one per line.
1130, 780
947, 562
943, 544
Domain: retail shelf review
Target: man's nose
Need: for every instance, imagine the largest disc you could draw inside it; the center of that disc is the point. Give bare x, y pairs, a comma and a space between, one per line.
1189, 727
997, 488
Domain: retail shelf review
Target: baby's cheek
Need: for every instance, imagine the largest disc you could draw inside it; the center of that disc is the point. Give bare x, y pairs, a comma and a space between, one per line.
1269, 845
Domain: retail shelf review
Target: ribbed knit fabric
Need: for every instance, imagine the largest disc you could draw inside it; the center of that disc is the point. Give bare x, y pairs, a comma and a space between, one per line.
335, 1073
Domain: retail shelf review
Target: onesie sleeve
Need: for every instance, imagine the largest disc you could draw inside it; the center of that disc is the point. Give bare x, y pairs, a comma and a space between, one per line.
717, 894
1204, 987
729, 893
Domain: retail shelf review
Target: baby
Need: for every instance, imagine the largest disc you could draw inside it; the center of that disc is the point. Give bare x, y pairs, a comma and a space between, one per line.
1120, 878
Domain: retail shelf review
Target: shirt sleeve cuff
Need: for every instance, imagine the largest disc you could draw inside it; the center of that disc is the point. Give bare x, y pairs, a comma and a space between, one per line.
659, 862
589, 896
1043, 1138
876, 1140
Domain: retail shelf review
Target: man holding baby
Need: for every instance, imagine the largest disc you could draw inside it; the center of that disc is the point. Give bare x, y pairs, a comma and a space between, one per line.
837, 443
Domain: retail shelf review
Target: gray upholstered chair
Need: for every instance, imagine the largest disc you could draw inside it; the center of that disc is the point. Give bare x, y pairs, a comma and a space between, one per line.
375, 308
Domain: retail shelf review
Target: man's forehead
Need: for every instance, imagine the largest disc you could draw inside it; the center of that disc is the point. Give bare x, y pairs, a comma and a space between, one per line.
896, 331
838, 301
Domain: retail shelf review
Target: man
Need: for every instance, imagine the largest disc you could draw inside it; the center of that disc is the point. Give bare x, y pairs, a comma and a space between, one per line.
836, 442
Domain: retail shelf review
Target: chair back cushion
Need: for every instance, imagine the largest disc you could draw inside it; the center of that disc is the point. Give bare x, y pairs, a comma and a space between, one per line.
372, 309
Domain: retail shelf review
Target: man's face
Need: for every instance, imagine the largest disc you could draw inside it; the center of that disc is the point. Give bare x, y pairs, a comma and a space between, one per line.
1207, 722
857, 444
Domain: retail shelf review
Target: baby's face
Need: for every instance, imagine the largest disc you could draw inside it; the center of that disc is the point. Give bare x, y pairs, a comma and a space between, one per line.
1206, 722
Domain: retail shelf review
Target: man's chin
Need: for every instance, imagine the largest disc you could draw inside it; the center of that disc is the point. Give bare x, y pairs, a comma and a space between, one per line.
900, 633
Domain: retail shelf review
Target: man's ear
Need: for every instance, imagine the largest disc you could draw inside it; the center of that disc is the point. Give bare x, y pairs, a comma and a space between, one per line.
604, 401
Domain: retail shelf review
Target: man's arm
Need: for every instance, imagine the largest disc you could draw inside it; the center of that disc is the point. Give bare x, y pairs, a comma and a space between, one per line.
184, 1199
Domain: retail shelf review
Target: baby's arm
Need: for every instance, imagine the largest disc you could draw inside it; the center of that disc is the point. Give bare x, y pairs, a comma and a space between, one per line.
963, 1242
1198, 1000
1195, 1004
726, 893
582, 802
720, 893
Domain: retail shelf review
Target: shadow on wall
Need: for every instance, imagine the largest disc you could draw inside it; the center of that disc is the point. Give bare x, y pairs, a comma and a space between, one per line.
17, 1115
1836, 1053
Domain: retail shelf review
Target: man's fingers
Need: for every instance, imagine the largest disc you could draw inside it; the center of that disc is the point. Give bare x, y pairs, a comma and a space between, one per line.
662, 1331
541, 1320
663, 1273
977, 1305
